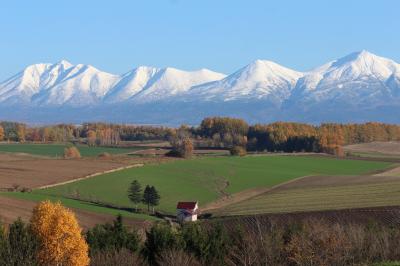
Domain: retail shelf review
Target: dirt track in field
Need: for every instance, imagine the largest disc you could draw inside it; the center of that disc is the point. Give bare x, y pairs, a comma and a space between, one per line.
243, 195
33, 172
303, 182
11, 209
391, 172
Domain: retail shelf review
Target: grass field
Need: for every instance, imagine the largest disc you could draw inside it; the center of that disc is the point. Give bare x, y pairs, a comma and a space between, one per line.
57, 150
79, 205
205, 179
310, 198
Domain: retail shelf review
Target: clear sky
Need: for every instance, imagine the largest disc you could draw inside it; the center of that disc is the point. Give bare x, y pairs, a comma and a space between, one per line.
222, 35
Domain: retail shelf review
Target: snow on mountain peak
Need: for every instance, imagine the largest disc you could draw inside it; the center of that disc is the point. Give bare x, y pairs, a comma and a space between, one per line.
64, 63
352, 79
259, 79
360, 79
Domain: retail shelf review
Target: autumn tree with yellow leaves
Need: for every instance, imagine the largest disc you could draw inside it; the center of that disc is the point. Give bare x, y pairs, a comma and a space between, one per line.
1, 133
60, 236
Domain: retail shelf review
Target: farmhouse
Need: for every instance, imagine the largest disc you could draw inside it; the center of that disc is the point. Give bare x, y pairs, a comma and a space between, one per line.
187, 211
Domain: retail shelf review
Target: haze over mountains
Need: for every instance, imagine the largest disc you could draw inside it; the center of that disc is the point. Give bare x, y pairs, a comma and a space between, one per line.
356, 88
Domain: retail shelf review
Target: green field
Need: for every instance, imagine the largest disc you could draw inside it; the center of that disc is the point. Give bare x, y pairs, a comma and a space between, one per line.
78, 205
57, 150
323, 198
206, 179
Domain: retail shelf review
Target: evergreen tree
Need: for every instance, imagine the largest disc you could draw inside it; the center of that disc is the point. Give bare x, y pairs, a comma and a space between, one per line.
135, 193
112, 237
23, 245
147, 197
154, 197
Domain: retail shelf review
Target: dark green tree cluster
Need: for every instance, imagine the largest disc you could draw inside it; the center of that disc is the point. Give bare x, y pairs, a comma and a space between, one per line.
18, 245
149, 196
209, 246
112, 237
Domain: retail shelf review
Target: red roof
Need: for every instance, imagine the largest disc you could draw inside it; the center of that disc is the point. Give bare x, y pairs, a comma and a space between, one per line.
186, 205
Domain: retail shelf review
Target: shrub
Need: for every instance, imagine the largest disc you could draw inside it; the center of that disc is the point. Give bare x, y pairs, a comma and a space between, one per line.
121, 257
181, 147
72, 153
104, 155
238, 151
175, 257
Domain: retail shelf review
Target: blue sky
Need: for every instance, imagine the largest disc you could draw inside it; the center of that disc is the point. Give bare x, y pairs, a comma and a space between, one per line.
222, 35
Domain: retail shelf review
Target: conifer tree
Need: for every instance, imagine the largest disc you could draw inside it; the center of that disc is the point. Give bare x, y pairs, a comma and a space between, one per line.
135, 193
155, 197
147, 197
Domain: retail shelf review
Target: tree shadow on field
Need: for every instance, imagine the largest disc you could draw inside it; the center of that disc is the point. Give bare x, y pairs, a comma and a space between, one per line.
107, 205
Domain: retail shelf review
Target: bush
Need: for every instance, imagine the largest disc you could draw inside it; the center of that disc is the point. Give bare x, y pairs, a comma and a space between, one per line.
104, 155
238, 151
175, 257
72, 153
181, 147
121, 257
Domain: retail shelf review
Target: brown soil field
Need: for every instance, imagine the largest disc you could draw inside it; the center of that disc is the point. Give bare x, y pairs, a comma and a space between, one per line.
11, 209
392, 172
378, 215
390, 147
306, 182
313, 193
33, 172
243, 195
335, 181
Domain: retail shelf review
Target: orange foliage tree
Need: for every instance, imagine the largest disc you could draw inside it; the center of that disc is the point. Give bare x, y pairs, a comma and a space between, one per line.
91, 138
72, 153
1, 133
60, 236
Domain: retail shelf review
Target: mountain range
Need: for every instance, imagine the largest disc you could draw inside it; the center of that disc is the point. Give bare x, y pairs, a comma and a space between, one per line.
356, 88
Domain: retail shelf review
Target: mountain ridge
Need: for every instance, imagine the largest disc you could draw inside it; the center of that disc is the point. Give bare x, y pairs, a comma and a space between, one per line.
361, 83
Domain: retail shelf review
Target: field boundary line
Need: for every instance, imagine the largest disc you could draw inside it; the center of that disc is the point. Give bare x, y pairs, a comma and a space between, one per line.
245, 195
92, 175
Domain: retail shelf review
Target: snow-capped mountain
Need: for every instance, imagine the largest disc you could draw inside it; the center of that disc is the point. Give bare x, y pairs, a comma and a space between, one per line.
57, 84
358, 87
63, 84
148, 84
358, 79
258, 80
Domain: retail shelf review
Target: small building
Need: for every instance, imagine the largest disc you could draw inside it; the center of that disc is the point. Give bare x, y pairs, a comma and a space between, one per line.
187, 211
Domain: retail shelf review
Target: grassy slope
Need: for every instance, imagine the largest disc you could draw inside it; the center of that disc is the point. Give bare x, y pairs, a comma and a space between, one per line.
78, 205
202, 179
324, 198
57, 150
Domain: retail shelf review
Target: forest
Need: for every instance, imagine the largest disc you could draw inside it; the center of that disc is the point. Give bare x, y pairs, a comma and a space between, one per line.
213, 132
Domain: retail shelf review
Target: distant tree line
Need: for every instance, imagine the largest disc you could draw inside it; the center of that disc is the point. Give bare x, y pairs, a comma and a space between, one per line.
213, 132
